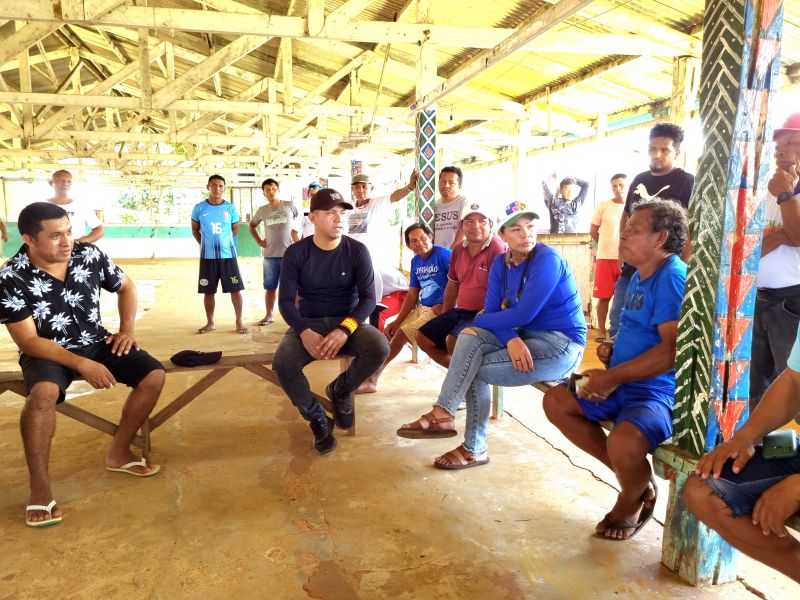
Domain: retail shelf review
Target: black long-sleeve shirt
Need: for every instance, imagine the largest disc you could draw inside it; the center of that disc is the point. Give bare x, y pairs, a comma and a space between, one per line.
330, 283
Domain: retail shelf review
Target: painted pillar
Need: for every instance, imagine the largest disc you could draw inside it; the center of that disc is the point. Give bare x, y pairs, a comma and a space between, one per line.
356, 168
425, 159
425, 141
739, 75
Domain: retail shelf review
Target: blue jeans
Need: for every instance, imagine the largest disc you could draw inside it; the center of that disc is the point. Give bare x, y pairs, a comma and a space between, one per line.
367, 346
481, 360
775, 322
740, 491
616, 304
272, 272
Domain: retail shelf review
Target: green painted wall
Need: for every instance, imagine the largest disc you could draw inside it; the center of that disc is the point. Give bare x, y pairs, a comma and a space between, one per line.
145, 235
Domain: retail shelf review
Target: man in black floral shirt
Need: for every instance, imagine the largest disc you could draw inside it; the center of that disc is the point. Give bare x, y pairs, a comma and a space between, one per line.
50, 304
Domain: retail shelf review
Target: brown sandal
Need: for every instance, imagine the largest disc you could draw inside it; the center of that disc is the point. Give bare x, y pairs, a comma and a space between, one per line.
461, 458
427, 426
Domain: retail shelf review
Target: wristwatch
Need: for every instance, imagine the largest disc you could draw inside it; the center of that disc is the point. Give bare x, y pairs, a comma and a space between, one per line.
784, 196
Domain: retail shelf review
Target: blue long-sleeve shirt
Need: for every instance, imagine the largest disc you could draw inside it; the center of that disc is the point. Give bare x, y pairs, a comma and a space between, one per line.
549, 299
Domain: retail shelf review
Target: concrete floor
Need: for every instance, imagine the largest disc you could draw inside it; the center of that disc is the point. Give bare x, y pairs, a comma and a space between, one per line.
245, 508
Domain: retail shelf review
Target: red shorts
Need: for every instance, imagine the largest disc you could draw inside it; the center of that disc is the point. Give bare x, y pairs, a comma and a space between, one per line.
393, 303
606, 273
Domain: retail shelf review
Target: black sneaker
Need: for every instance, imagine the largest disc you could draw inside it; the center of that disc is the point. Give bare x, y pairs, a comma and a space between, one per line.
343, 413
324, 441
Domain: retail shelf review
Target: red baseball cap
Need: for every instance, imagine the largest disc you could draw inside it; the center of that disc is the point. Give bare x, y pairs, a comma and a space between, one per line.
791, 124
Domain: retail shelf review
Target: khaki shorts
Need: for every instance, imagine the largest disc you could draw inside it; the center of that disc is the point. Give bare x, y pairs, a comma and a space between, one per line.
418, 317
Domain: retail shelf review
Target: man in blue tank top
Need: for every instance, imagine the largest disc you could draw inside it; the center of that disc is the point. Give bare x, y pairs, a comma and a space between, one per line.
215, 223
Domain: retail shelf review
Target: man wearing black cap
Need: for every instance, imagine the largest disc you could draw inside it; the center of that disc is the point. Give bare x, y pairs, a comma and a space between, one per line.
332, 277
777, 310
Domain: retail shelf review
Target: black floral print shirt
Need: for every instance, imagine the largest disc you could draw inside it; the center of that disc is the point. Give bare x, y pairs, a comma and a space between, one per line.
67, 312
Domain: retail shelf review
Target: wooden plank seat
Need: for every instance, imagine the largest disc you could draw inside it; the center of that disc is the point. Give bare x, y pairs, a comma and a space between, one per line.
255, 363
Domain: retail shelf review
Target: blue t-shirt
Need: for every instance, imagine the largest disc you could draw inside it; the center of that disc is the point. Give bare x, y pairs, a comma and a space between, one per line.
216, 228
648, 304
429, 275
549, 299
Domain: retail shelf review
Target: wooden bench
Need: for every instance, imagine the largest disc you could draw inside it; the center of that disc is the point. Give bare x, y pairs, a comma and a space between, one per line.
255, 363
670, 463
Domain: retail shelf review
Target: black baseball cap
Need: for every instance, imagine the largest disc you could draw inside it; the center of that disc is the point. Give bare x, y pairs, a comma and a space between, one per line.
195, 358
327, 198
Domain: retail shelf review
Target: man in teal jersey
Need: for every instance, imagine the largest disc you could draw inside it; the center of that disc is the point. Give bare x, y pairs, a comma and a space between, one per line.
215, 223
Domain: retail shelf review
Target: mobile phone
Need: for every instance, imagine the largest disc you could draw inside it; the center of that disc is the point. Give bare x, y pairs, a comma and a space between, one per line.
780, 444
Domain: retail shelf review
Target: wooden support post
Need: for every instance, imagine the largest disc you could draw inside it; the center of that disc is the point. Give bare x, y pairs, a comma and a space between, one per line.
497, 402
685, 87
740, 70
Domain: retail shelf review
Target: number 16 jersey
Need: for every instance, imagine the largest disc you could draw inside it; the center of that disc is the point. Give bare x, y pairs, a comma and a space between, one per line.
216, 228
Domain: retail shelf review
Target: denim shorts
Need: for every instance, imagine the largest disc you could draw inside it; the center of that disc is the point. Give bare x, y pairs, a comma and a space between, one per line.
650, 411
272, 272
740, 491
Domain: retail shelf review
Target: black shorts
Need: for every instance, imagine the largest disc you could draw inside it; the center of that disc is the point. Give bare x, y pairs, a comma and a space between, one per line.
129, 368
214, 270
449, 323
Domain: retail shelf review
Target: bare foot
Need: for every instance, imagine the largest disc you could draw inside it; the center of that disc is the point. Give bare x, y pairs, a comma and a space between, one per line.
266, 320
241, 328
367, 387
206, 328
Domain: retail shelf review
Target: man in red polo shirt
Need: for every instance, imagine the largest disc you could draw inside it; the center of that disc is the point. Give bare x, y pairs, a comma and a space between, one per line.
467, 280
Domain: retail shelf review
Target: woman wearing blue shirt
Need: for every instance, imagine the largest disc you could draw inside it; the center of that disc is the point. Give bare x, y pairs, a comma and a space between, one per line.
531, 329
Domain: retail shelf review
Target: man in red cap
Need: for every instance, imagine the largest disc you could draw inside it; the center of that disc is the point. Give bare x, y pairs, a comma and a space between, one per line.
777, 311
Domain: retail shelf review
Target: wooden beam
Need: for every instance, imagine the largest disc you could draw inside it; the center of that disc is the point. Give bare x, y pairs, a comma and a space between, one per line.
577, 78
265, 25
36, 59
199, 73
316, 17
95, 100
207, 119
8, 130
170, 66
288, 80
347, 12
24, 38
99, 88
332, 80
51, 74
25, 87
144, 69
538, 23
